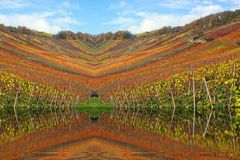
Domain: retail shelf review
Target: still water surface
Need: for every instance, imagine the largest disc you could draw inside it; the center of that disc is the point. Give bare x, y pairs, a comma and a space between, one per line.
93, 149
101, 149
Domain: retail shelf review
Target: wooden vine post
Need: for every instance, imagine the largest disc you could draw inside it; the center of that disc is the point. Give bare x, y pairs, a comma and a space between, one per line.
212, 107
194, 108
15, 108
174, 106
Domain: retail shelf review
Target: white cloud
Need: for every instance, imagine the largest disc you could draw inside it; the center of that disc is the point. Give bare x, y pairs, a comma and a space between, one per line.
236, 4
183, 4
53, 21
38, 21
206, 10
186, 4
141, 21
175, 4
65, 20
13, 4
123, 20
119, 5
150, 21
68, 5
233, 1
33, 21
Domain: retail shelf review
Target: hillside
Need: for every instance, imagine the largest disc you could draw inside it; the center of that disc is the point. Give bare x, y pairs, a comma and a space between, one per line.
172, 93
108, 63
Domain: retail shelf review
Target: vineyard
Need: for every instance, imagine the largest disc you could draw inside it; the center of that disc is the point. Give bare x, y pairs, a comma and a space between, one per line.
179, 86
29, 107
191, 106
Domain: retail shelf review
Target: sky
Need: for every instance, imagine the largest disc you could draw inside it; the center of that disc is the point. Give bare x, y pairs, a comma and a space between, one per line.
99, 16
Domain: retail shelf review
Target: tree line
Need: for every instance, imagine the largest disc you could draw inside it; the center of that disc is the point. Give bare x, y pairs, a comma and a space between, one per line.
208, 22
69, 35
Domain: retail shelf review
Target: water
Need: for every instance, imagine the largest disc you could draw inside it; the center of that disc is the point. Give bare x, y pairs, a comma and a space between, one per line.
90, 149
102, 149
93, 149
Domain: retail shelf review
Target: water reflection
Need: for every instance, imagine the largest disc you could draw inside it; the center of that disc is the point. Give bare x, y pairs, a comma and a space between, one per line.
93, 149
102, 149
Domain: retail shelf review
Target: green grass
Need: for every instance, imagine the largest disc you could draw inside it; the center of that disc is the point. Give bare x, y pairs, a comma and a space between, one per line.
94, 107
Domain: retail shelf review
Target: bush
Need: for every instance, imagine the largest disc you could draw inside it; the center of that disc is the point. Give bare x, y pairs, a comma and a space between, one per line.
209, 39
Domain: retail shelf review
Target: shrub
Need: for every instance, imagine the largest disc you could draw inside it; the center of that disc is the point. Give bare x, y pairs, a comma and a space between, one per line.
238, 43
209, 39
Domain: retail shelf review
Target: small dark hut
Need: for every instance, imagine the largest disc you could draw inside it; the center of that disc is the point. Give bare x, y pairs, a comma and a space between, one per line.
94, 119
94, 94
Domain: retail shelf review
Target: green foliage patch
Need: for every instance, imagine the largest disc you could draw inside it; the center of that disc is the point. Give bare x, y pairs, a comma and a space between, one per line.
94, 107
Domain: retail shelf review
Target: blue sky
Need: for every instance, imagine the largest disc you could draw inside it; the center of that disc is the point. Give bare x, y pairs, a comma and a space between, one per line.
97, 16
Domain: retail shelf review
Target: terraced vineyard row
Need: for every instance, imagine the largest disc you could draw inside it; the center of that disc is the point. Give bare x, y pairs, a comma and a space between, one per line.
200, 106
29, 107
